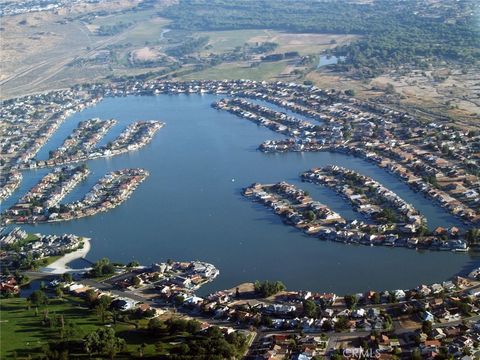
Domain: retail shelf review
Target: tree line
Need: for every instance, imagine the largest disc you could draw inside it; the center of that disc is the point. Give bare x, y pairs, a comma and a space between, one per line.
392, 33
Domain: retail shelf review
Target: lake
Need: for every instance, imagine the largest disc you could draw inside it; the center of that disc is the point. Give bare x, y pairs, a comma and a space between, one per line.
191, 207
324, 60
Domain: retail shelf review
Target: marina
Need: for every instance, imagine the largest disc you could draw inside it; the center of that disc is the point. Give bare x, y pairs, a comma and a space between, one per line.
215, 211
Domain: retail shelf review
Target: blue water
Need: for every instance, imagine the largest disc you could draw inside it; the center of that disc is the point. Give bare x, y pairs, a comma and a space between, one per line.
191, 206
325, 60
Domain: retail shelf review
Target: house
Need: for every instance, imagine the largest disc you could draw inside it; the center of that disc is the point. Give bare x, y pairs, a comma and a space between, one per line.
429, 346
439, 231
143, 308
182, 281
373, 313
436, 288
358, 313
474, 292
438, 334
122, 304
399, 295
427, 316
280, 309
474, 274
461, 282
193, 300
448, 286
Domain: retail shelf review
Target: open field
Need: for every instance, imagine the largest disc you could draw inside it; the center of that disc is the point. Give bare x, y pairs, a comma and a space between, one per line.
457, 95
303, 43
24, 334
57, 49
37, 48
149, 30
240, 70
441, 90
145, 54
221, 41
23, 331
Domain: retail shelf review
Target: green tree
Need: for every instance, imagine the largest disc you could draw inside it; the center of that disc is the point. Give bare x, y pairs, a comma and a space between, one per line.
59, 292
416, 354
133, 263
90, 297
157, 327
38, 297
473, 236
390, 89
388, 215
67, 277
310, 308
310, 215
102, 306
268, 288
350, 301
103, 341
136, 281
427, 327
102, 267
341, 324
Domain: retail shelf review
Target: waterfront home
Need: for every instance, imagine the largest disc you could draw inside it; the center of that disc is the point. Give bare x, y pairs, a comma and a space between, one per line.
399, 295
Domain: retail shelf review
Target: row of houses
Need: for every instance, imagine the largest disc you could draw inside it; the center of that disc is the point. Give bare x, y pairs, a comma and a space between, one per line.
83, 138
46, 194
300, 210
367, 195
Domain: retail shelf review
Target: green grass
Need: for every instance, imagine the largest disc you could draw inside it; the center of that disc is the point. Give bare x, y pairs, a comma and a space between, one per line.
52, 259
23, 332
31, 237
264, 71
148, 30
129, 16
222, 41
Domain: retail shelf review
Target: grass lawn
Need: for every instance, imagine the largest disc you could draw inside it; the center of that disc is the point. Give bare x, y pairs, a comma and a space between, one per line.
304, 43
148, 30
31, 237
23, 332
222, 41
52, 259
264, 71
129, 16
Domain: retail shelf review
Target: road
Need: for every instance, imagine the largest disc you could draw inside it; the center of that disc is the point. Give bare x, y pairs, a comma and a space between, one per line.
402, 333
45, 70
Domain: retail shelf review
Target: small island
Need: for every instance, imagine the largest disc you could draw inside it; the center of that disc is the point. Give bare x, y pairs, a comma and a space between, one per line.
395, 223
41, 204
80, 145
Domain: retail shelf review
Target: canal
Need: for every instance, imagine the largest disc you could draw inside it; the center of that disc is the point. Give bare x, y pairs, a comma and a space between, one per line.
191, 208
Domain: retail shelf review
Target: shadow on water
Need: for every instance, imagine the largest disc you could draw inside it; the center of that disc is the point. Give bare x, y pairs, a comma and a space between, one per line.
470, 265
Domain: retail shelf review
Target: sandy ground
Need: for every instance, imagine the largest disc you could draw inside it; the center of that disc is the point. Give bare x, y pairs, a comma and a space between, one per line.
303, 43
144, 54
60, 266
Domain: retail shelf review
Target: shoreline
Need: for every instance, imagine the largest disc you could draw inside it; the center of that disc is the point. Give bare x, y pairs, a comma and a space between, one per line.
60, 266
